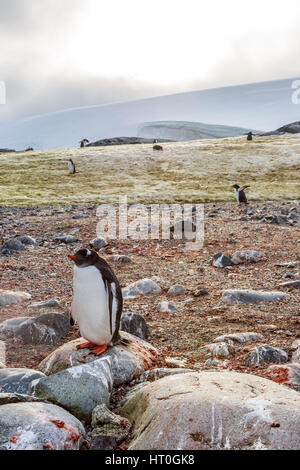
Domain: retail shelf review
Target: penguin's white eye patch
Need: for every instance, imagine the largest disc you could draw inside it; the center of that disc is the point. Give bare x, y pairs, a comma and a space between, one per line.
88, 252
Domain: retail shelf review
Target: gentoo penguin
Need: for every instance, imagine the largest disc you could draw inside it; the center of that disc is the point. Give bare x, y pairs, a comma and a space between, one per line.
71, 166
156, 147
240, 194
83, 142
250, 136
97, 301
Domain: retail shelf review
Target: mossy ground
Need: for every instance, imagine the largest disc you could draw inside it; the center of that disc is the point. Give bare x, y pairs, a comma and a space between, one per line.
195, 171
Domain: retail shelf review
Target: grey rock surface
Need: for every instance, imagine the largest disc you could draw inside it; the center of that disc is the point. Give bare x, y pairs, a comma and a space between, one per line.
142, 287
134, 324
17, 380
251, 297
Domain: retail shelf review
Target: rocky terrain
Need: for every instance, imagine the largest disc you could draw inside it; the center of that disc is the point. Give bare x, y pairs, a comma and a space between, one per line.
213, 335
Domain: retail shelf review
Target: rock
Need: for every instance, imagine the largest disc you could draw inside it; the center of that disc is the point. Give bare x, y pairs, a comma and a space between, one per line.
222, 261
9, 297
176, 290
240, 338
266, 354
175, 362
98, 243
107, 423
214, 319
213, 410
7, 398
48, 304
128, 361
216, 350
248, 256
17, 380
67, 239
200, 291
78, 389
38, 426
156, 374
134, 324
2, 354
143, 287
286, 375
120, 259
296, 351
291, 284
100, 442
47, 328
252, 297
166, 307
11, 246
26, 240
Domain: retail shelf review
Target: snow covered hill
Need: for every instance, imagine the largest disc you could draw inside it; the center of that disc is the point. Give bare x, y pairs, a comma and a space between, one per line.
264, 106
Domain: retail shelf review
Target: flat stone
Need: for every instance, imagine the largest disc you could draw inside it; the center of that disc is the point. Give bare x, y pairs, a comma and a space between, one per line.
67, 239
9, 297
128, 360
120, 259
240, 338
17, 380
134, 324
11, 246
176, 290
252, 297
247, 256
138, 288
213, 410
222, 261
78, 389
39, 426
47, 304
216, 350
47, 328
166, 307
267, 354
26, 240
288, 374
291, 284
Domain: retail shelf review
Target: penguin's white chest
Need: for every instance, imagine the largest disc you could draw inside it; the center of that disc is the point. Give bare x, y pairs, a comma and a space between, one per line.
90, 305
237, 194
71, 166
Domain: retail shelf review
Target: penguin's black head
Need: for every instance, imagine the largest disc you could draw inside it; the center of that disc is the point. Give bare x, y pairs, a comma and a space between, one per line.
236, 186
84, 258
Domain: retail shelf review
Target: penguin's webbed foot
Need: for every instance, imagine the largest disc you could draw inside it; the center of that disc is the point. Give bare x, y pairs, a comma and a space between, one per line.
98, 350
88, 344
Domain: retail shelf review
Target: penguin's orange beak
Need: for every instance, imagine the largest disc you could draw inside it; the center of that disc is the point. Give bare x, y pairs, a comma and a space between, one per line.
71, 256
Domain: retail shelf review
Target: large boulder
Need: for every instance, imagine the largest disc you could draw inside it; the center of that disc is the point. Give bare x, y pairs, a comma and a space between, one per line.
78, 389
39, 426
128, 361
138, 288
267, 354
47, 328
17, 380
8, 297
252, 297
214, 410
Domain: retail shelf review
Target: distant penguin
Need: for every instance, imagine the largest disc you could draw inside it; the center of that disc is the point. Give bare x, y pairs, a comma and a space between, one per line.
250, 136
97, 301
240, 194
83, 142
156, 147
71, 166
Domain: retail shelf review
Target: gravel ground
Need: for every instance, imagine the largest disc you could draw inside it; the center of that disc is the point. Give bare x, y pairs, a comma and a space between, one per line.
46, 273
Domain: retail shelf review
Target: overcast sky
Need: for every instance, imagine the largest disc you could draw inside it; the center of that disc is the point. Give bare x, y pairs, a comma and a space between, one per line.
56, 54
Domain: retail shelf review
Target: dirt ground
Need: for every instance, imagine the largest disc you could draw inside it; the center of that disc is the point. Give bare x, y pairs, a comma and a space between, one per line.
46, 273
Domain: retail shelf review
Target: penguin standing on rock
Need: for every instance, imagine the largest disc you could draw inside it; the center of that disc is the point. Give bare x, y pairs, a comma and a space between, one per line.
97, 301
72, 167
240, 194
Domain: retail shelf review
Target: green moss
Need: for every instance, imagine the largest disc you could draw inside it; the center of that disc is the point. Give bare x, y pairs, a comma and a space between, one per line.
197, 171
